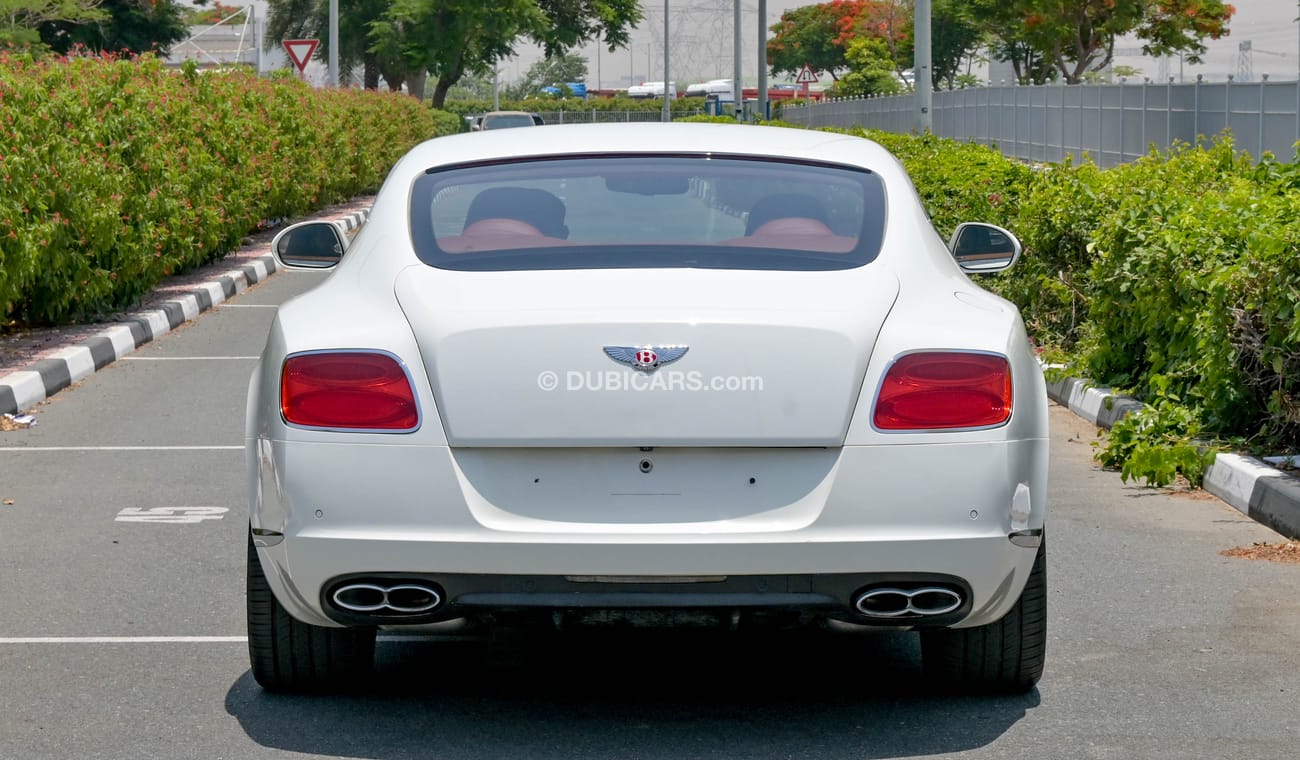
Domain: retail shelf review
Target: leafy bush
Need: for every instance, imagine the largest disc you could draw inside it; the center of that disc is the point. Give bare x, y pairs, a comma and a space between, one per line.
447, 123
118, 173
1157, 443
1173, 278
463, 108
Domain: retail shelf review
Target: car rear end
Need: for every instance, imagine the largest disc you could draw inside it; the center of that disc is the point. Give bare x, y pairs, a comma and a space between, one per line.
668, 411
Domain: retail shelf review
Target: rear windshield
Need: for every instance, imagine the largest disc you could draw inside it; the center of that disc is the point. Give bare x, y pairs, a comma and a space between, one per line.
647, 211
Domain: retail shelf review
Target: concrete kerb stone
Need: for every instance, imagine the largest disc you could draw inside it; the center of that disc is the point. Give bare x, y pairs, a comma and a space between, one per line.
1262, 492
25, 388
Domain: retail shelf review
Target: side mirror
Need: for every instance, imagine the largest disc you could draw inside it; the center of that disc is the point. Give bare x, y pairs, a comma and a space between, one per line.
981, 248
310, 245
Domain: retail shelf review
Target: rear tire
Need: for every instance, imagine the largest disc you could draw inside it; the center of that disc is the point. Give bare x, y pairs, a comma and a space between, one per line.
289, 655
1002, 657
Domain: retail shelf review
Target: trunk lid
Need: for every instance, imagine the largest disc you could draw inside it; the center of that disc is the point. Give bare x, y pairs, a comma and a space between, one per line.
774, 358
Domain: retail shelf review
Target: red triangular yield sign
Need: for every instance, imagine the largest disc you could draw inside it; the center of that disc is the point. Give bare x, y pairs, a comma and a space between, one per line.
300, 51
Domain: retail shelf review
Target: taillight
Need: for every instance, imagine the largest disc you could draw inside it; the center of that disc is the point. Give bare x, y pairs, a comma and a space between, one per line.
944, 390
349, 390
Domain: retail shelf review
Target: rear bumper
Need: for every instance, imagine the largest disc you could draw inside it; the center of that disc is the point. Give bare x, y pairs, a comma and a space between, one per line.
873, 518
806, 575
832, 595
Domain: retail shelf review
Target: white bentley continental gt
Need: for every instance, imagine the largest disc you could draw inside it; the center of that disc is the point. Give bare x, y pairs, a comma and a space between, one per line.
714, 371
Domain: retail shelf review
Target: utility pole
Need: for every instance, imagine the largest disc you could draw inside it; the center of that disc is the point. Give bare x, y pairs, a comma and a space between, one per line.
737, 77
669, 92
921, 67
762, 59
334, 44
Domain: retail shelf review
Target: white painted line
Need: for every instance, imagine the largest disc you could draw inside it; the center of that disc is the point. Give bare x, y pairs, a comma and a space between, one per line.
216, 294
157, 319
249, 306
189, 306
125, 640
121, 448
397, 638
123, 341
1232, 478
184, 358
1087, 402
80, 363
28, 387
172, 515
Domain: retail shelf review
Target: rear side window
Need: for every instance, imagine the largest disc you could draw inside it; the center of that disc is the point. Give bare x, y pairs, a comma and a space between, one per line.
507, 120
647, 211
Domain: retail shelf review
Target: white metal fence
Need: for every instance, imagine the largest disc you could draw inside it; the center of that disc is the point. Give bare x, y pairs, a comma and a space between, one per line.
592, 116
1112, 123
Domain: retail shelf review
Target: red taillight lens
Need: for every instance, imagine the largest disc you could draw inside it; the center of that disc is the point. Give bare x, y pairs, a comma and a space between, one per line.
944, 390
351, 390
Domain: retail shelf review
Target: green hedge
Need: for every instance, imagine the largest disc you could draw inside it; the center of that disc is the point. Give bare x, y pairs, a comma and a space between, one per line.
116, 174
463, 108
1175, 278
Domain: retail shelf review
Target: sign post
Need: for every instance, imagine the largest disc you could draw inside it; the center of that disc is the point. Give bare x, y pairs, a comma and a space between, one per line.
806, 77
300, 52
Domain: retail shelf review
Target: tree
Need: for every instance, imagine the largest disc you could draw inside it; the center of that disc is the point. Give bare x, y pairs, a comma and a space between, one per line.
818, 35
955, 34
450, 38
556, 70
21, 20
406, 41
206, 15
131, 27
1074, 37
871, 70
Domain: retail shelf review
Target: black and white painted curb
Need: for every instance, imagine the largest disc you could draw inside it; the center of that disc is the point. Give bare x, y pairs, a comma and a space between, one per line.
25, 388
1263, 493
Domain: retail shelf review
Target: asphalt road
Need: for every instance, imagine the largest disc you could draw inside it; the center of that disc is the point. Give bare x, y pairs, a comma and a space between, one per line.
121, 585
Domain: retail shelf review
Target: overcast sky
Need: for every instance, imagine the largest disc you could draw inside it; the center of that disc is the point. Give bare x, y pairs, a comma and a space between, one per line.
701, 36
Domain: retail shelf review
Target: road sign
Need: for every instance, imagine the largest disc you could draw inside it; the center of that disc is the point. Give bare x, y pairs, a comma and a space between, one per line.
300, 51
806, 75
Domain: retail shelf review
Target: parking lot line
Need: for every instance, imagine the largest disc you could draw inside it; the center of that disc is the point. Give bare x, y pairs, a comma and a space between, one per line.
121, 448
392, 638
183, 358
125, 640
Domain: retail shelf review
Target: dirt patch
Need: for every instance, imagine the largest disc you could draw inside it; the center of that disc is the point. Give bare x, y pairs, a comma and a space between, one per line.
16, 422
1288, 552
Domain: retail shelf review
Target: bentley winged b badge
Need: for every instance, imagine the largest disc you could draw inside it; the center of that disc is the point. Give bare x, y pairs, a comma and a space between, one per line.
646, 358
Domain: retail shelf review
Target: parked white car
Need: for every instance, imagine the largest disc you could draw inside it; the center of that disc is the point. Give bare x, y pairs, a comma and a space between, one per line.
650, 90
728, 372
719, 87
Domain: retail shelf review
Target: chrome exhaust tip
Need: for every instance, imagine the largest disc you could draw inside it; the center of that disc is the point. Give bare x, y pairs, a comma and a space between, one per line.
377, 598
893, 603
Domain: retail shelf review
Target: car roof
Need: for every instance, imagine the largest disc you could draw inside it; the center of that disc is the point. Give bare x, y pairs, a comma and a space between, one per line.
579, 139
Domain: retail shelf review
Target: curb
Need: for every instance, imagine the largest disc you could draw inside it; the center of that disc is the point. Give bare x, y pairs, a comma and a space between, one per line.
25, 388
1261, 492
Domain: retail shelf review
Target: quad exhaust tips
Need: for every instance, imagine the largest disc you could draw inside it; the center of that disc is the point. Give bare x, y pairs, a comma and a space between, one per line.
379, 598
889, 603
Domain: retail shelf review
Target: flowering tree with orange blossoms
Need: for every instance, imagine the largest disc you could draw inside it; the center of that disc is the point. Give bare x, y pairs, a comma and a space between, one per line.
818, 35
